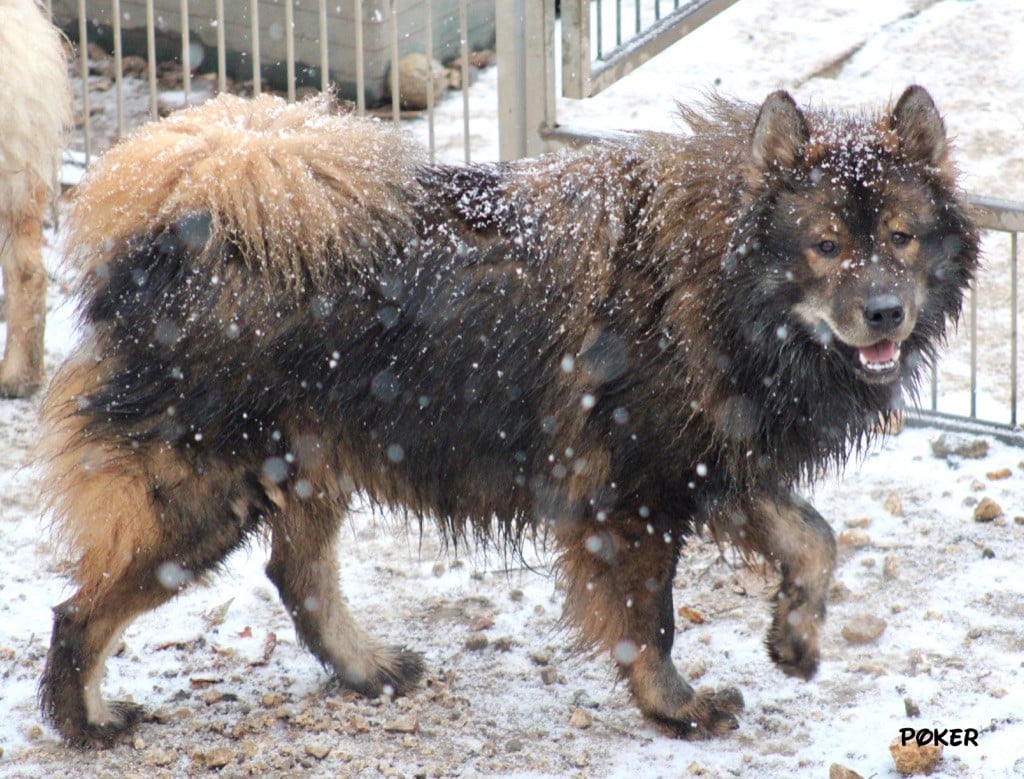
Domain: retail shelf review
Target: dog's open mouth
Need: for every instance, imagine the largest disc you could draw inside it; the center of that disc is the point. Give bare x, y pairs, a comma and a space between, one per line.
880, 361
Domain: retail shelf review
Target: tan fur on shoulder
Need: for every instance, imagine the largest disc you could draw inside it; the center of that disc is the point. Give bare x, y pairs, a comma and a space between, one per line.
288, 182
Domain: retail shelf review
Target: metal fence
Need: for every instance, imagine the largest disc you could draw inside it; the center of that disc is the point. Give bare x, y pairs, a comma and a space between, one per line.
974, 389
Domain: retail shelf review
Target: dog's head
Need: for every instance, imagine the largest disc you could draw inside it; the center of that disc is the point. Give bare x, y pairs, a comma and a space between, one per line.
862, 229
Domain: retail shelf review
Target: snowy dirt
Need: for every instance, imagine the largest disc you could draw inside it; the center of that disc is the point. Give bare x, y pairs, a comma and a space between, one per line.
230, 691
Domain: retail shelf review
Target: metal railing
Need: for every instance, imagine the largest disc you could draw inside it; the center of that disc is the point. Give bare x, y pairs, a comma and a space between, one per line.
993, 410
406, 25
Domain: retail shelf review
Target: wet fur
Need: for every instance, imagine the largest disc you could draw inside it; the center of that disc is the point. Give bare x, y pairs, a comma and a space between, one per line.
36, 113
617, 345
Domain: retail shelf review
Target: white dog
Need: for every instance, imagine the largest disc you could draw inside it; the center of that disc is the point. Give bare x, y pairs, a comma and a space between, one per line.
35, 114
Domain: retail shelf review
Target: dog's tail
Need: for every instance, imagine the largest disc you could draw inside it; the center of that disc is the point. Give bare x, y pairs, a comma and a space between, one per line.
298, 189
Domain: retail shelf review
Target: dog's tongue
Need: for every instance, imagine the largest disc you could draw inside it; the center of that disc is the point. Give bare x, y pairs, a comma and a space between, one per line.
883, 351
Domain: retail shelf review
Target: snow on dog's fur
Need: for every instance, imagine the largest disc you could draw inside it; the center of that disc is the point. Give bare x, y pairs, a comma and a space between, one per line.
35, 114
616, 347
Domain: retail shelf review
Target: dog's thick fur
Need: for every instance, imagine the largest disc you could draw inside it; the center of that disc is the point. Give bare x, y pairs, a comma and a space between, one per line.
621, 346
35, 115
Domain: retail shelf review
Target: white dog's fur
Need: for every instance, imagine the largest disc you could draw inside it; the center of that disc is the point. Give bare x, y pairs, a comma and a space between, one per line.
35, 115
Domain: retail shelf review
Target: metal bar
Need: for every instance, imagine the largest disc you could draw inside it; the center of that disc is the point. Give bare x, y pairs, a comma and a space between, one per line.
526, 76
186, 54
431, 140
396, 105
257, 72
576, 46
222, 50
958, 424
464, 53
118, 68
325, 63
83, 61
360, 61
1013, 329
974, 351
289, 47
996, 214
154, 108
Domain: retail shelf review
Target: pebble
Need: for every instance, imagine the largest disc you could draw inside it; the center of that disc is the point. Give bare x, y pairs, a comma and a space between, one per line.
863, 629
890, 568
894, 504
1002, 473
549, 675
581, 719
476, 642
853, 539
158, 757
912, 759
962, 446
987, 510
836, 771
912, 709
541, 657
216, 758
317, 750
407, 724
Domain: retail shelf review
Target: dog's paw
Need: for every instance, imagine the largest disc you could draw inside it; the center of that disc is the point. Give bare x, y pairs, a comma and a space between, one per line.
122, 718
708, 714
793, 642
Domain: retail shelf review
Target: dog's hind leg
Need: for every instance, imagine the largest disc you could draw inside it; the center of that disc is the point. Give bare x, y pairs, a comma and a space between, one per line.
303, 566
144, 524
792, 535
24, 277
618, 575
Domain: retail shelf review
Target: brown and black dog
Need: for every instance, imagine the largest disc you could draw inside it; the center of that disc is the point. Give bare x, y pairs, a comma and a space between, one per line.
622, 346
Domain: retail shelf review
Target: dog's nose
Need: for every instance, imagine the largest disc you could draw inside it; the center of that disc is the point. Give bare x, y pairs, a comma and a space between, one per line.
883, 312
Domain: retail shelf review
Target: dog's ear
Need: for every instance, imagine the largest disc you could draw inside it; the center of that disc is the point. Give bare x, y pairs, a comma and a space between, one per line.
919, 127
780, 133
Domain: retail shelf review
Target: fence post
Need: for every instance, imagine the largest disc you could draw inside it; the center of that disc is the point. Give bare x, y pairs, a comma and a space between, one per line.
526, 75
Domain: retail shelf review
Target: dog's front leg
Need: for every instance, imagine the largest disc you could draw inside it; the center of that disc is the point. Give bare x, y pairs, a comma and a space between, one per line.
618, 571
792, 535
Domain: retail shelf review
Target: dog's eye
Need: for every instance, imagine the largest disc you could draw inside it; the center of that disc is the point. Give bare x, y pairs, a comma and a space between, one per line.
899, 239
828, 248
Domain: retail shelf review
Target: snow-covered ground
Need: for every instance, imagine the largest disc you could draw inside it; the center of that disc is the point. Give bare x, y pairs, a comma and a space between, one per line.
233, 693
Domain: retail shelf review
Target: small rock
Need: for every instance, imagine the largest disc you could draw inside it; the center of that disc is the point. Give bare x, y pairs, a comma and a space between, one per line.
272, 700
912, 759
515, 595
514, 745
481, 622
696, 670
861, 522
476, 642
863, 629
158, 757
890, 568
317, 750
853, 539
407, 724
549, 675
962, 446
894, 504
912, 709
504, 643
581, 719
582, 760
987, 510
987, 553
216, 758
836, 771
541, 657
416, 75
1002, 473
439, 569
